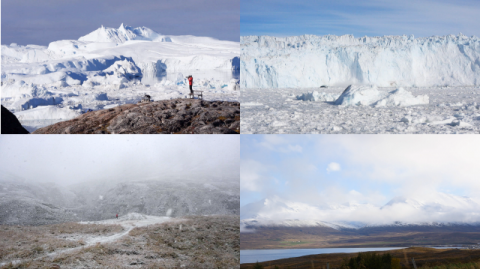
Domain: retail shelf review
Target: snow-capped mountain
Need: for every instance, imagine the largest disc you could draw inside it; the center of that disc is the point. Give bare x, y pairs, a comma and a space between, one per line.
312, 61
438, 209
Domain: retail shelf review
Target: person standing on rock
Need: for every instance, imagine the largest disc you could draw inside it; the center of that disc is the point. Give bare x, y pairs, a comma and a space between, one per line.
116, 216
190, 83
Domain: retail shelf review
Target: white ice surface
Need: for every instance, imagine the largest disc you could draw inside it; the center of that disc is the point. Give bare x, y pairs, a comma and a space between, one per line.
312, 61
449, 110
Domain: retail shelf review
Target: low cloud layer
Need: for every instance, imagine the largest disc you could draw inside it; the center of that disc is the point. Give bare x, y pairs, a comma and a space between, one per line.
72, 159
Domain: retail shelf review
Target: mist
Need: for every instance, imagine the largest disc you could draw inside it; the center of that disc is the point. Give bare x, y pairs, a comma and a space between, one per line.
67, 160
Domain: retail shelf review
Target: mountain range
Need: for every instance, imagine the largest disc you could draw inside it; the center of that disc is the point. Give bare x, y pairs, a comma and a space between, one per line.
35, 203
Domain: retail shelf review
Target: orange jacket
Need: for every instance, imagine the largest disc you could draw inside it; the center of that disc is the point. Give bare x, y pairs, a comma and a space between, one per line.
190, 80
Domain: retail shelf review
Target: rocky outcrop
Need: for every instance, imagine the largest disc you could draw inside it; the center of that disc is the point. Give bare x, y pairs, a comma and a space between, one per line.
10, 123
178, 116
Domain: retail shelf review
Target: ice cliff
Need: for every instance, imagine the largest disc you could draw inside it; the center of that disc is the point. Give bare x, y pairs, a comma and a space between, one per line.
312, 61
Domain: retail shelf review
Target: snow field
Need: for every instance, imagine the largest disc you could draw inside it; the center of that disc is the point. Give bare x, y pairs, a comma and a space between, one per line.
449, 110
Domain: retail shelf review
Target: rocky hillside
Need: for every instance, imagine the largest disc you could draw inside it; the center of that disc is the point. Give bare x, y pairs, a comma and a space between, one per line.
47, 203
178, 116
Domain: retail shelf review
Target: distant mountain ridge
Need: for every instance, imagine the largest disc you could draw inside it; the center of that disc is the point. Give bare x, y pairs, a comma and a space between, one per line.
438, 210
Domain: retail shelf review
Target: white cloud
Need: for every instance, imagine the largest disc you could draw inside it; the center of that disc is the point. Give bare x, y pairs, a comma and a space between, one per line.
252, 175
332, 167
414, 163
278, 143
438, 207
296, 148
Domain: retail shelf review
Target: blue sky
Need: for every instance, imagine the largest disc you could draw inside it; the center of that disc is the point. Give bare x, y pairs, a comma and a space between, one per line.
40, 22
357, 168
360, 18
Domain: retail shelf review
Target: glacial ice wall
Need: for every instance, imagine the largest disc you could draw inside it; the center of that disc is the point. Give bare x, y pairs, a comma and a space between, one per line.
312, 61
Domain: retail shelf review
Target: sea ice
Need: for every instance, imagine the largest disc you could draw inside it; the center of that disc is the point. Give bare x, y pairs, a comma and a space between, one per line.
441, 110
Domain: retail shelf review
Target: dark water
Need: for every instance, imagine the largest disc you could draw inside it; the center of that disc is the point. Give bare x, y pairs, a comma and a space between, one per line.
261, 255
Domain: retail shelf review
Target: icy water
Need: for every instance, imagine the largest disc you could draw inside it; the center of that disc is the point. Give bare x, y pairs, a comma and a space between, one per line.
262, 255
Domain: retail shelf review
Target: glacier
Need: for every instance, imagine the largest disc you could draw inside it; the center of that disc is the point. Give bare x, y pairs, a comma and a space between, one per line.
109, 67
390, 61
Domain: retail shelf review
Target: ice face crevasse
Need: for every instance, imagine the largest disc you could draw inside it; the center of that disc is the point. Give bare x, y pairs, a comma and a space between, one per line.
311, 61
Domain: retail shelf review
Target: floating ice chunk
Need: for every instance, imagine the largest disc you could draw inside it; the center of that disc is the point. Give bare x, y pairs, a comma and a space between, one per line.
406, 119
359, 95
371, 96
70, 81
60, 84
251, 104
316, 96
460, 123
47, 112
234, 85
401, 97
124, 68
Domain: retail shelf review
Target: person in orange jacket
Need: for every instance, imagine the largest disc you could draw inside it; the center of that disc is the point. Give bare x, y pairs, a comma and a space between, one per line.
116, 216
190, 82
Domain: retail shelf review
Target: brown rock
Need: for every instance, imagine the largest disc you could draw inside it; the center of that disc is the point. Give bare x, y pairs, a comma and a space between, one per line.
178, 116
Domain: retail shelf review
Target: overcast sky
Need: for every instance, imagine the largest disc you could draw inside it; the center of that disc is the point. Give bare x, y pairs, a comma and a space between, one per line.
68, 159
320, 170
40, 22
360, 18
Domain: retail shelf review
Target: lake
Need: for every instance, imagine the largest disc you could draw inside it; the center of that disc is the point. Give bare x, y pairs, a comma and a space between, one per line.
262, 255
